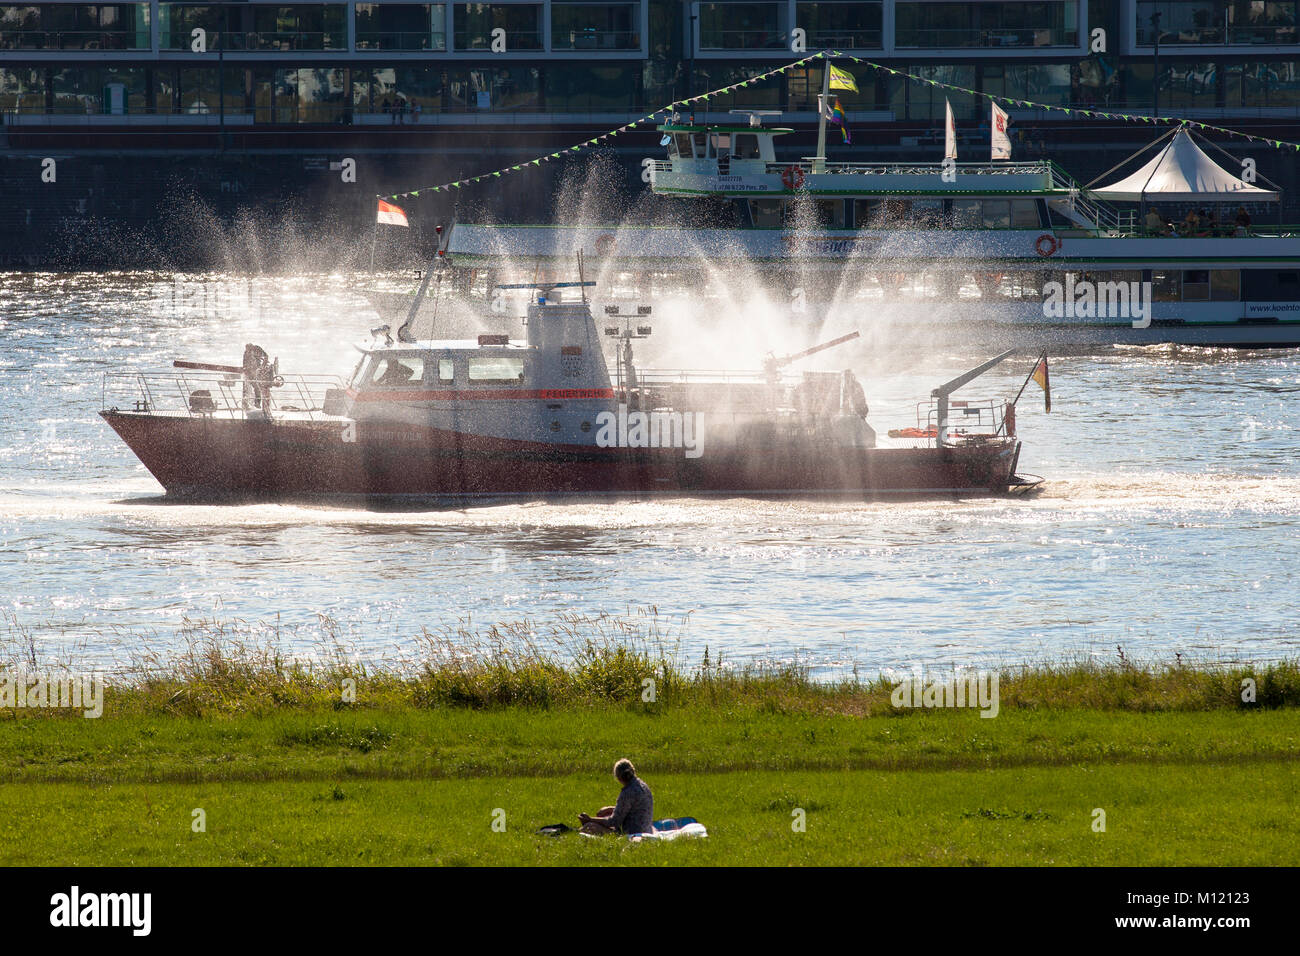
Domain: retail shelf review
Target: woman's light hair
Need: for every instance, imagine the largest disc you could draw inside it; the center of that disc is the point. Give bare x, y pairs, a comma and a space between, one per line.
624, 770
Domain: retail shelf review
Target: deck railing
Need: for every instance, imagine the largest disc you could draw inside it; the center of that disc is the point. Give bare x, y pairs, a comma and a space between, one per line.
214, 394
982, 417
1103, 216
1030, 168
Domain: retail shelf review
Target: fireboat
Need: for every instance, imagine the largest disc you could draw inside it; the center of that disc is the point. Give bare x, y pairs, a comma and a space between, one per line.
498, 417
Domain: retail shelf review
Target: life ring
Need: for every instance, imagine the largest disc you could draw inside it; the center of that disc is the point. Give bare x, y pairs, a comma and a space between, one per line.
1047, 245
792, 177
604, 244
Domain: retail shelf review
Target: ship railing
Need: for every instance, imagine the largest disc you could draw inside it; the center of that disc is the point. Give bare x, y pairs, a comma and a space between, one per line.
1104, 217
191, 394
1037, 168
699, 377
967, 419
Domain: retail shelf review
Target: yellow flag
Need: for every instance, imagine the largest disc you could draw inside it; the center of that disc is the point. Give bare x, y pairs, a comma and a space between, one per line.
1040, 376
842, 79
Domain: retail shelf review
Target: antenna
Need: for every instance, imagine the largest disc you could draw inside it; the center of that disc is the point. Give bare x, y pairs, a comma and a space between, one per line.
756, 116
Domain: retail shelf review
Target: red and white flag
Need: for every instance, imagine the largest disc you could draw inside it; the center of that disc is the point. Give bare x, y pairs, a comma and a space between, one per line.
1001, 141
949, 133
391, 215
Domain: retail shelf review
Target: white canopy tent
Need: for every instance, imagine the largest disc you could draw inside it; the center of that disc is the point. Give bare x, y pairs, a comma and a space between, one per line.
1182, 172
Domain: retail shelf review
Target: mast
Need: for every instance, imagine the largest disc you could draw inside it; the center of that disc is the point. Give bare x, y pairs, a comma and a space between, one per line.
819, 161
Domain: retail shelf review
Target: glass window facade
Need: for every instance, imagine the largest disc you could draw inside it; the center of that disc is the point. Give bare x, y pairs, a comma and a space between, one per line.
1216, 22
393, 90
521, 23
304, 27
743, 26
842, 26
401, 26
944, 26
512, 88
578, 88
66, 26
85, 89
583, 56
595, 26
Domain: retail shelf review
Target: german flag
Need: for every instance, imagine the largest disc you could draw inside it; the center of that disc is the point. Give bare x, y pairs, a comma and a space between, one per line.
1044, 382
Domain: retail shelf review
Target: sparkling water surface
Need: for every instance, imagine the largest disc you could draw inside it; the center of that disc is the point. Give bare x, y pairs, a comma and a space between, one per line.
1169, 522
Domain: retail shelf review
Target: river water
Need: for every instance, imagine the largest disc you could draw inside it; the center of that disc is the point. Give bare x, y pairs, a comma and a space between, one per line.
1169, 522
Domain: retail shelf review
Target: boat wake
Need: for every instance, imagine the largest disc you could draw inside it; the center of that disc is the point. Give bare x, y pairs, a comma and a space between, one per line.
1153, 491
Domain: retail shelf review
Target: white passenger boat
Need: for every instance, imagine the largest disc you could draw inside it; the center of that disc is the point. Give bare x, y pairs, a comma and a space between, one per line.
1002, 253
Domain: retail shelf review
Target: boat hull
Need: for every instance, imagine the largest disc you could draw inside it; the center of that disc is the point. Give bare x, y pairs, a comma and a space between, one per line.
208, 457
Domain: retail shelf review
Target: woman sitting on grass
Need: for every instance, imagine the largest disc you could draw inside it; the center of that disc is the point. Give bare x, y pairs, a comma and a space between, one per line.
632, 813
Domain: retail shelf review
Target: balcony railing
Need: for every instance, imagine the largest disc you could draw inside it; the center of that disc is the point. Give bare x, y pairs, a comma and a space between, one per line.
518, 40
1269, 35
949, 39
390, 40
256, 41
75, 40
595, 40
845, 40
744, 40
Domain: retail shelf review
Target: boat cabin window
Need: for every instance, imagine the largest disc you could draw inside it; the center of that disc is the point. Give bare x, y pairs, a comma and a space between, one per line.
1196, 285
441, 372
719, 143
830, 213
966, 214
355, 378
746, 146
897, 211
1024, 214
926, 214
869, 213
682, 145
767, 213
699, 141
496, 370
1166, 286
397, 370
996, 214
1270, 285
1225, 285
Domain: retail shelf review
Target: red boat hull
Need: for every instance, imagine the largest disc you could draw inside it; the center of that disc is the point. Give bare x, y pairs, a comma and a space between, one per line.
216, 458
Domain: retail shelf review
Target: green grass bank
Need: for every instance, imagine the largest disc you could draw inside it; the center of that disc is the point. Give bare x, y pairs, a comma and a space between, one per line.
328, 762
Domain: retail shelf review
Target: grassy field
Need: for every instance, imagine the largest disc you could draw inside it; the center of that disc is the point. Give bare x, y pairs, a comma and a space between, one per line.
1166, 814
1219, 787
416, 767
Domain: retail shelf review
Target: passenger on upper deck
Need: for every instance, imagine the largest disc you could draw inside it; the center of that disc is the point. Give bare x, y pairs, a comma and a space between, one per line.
1155, 223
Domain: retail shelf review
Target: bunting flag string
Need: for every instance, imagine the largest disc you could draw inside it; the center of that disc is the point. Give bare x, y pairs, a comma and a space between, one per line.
827, 55
1068, 110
